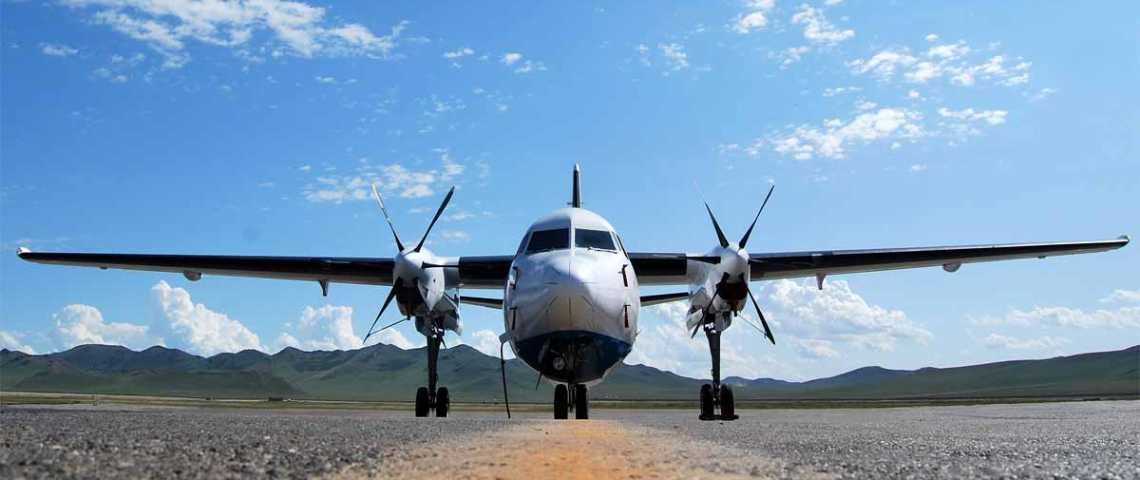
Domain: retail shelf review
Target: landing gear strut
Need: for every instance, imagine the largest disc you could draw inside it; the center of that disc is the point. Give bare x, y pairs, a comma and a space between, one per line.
429, 398
716, 396
575, 397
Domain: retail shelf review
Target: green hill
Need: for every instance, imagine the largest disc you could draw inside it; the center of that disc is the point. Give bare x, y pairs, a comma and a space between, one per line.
385, 372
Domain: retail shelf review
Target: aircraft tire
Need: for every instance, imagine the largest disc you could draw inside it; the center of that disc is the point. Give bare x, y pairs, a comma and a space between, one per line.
581, 403
442, 402
727, 404
561, 402
707, 412
422, 402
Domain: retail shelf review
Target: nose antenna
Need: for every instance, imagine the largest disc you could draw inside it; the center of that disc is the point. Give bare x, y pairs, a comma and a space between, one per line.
576, 199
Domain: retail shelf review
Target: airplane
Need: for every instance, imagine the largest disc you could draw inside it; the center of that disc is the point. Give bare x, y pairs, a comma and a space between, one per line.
571, 292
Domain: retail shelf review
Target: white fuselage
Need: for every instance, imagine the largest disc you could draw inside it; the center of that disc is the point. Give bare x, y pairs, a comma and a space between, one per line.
570, 305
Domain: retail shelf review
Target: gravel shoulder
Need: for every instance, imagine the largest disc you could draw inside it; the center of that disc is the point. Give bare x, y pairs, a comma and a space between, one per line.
1060, 440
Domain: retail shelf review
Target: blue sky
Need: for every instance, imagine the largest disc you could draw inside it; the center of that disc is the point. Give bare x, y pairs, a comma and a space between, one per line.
254, 127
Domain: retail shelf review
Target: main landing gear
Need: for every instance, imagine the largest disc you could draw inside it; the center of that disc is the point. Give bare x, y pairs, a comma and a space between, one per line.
429, 398
573, 398
716, 396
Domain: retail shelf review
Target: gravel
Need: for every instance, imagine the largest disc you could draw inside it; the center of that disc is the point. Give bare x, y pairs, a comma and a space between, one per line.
1058, 440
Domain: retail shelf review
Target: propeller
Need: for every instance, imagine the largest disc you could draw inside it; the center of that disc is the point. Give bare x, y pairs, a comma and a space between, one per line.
741, 245
399, 281
391, 295
756, 305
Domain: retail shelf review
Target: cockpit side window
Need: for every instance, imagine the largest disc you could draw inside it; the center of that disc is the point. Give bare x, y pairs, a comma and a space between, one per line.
597, 239
546, 240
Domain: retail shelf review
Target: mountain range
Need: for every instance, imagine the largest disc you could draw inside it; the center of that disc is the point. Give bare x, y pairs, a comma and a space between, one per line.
388, 373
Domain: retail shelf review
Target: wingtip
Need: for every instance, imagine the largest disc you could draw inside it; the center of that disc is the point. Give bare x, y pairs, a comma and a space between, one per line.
22, 251
1126, 239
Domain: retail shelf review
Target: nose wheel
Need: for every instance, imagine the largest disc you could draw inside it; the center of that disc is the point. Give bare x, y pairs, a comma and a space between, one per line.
574, 397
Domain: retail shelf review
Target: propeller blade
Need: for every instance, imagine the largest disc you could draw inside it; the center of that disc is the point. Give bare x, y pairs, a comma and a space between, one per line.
719, 232
380, 200
391, 295
435, 218
436, 265
767, 331
744, 239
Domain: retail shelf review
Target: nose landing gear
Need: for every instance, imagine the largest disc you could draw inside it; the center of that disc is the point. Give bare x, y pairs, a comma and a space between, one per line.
574, 398
716, 396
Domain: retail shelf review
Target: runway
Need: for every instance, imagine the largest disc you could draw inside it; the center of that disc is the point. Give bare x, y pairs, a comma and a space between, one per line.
1055, 440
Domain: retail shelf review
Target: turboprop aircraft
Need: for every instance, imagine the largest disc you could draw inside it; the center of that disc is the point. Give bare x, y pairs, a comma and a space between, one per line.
571, 292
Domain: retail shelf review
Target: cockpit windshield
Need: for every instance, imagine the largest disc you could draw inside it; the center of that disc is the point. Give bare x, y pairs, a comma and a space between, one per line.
598, 239
546, 240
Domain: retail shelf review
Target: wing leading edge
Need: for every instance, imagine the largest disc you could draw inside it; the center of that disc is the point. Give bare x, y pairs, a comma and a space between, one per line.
672, 268
474, 272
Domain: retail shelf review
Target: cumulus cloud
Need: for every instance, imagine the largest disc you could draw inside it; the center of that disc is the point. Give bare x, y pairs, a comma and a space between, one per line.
294, 28
790, 55
836, 314
674, 55
817, 29
487, 341
1122, 296
83, 324
57, 50
835, 136
516, 61
998, 341
663, 342
390, 179
755, 18
831, 92
1122, 318
12, 341
324, 328
459, 53
196, 327
951, 61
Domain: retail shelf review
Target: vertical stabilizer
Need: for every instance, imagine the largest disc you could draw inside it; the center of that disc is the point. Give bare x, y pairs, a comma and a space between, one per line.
576, 200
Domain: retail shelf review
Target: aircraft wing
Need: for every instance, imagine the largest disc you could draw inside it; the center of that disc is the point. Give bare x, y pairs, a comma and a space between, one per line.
474, 272
670, 268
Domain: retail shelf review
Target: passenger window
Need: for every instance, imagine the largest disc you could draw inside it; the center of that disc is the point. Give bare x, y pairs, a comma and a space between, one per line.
546, 240
599, 239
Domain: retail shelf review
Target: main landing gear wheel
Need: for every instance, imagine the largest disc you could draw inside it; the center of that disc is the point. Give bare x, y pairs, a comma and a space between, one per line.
442, 402
707, 407
423, 403
727, 404
581, 403
561, 402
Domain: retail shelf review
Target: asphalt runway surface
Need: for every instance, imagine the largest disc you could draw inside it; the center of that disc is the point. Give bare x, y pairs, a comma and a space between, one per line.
1055, 440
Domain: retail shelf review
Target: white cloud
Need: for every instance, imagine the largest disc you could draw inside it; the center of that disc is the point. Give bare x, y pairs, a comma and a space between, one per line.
459, 53
487, 341
83, 324
932, 37
950, 61
831, 92
1121, 318
295, 28
663, 342
836, 314
1042, 94
511, 58
790, 55
918, 167
675, 56
324, 328
11, 341
991, 117
455, 236
57, 50
197, 328
815, 348
391, 179
996, 341
817, 29
834, 136
755, 18
1122, 296
515, 59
